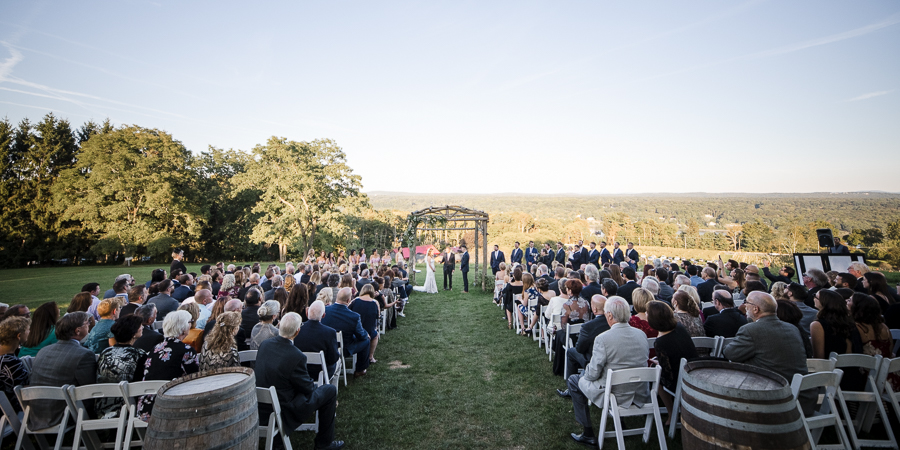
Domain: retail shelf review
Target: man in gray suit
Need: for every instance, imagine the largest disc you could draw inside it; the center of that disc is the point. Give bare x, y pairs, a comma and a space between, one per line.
65, 362
622, 347
771, 344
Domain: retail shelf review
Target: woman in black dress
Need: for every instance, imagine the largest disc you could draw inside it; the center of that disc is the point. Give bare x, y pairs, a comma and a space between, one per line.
673, 343
369, 312
170, 359
834, 329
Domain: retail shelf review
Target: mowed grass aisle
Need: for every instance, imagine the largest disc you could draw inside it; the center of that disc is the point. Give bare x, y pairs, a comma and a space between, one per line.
452, 376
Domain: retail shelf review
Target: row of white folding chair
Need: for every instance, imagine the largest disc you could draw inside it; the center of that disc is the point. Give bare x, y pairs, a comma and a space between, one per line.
274, 428
889, 366
651, 410
342, 363
567, 343
316, 358
869, 399
895, 335
10, 422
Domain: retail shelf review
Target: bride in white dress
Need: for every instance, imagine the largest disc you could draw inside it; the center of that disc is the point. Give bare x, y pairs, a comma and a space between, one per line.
430, 283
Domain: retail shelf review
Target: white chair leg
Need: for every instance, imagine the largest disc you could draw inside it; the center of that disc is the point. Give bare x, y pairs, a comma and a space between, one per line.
660, 434
601, 435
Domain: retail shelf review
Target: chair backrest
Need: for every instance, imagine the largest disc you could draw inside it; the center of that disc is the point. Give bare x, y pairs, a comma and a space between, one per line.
828, 380
856, 360
888, 366
130, 391
651, 342
28, 394
318, 358
12, 418
93, 391
247, 355
895, 335
636, 375
268, 396
573, 328
706, 342
157, 325
340, 341
819, 365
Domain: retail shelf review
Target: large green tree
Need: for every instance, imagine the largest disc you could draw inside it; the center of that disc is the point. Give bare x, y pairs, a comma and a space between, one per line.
132, 190
305, 190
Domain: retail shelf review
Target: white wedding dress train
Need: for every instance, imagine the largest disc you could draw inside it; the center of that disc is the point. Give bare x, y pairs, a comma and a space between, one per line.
430, 282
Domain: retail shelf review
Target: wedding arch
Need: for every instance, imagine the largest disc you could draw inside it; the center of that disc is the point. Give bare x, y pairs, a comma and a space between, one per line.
433, 224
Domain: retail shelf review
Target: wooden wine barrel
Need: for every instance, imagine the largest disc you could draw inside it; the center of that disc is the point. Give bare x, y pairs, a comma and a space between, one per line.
737, 406
214, 409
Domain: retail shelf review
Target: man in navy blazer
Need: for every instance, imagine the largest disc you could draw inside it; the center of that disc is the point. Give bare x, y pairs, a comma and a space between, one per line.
280, 364
464, 268
516, 255
531, 254
594, 256
630, 285
356, 340
618, 256
605, 256
727, 322
705, 289
497, 257
315, 337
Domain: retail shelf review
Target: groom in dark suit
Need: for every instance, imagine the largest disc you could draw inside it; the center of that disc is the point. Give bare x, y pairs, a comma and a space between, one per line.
464, 268
449, 267
516, 255
497, 257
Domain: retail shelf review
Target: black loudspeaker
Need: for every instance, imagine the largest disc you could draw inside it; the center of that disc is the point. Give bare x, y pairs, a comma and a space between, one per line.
825, 237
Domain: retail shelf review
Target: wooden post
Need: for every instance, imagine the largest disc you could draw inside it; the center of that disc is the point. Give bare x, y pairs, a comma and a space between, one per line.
412, 257
485, 255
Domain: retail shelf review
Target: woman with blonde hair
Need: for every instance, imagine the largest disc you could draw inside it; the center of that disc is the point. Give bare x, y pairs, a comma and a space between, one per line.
500, 280
220, 348
779, 290
315, 278
263, 330
640, 297
289, 282
229, 286
326, 296
692, 291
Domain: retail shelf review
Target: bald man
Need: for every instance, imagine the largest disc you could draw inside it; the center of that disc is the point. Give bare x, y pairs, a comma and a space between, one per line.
771, 344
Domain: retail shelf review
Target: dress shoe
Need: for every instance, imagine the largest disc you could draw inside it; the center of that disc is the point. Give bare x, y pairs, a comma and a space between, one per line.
334, 445
581, 439
359, 374
563, 393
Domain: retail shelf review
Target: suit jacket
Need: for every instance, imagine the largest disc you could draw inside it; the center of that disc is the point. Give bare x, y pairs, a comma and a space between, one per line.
164, 305
279, 363
705, 290
582, 257
182, 292
626, 289
65, 362
341, 318
622, 347
561, 256
618, 256
531, 254
590, 290
266, 285
594, 257
605, 256
464, 263
554, 286
497, 258
362, 282
516, 256
726, 323
149, 339
589, 332
634, 255
449, 262
249, 319
666, 292
314, 337
547, 259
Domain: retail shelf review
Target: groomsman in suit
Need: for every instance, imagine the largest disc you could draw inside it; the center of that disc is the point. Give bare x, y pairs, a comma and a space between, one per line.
449, 267
575, 259
605, 256
631, 256
531, 254
594, 256
497, 257
464, 268
560, 254
583, 257
516, 255
618, 256
551, 254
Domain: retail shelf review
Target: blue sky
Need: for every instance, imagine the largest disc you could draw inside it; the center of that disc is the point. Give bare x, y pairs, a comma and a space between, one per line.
481, 97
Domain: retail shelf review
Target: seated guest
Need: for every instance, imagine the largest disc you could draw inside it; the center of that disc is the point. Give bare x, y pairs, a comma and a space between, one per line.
778, 290
771, 344
170, 359
149, 337
728, 319
81, 302
705, 289
164, 301
42, 331
65, 362
797, 294
219, 348
790, 313
630, 285
555, 305
665, 291
369, 312
874, 334
834, 329
815, 280
98, 338
204, 299
297, 301
688, 314
276, 282
233, 305
186, 289
641, 297
315, 337
580, 355
575, 310
651, 284
13, 372
593, 287
121, 362
609, 287
195, 335
280, 364
673, 344
137, 296
845, 280
268, 312
250, 314
356, 339
229, 288
622, 347
878, 287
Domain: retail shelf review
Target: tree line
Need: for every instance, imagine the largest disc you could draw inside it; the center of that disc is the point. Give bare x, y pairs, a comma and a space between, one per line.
104, 193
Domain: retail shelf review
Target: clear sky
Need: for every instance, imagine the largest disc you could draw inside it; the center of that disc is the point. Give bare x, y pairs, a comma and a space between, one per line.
480, 97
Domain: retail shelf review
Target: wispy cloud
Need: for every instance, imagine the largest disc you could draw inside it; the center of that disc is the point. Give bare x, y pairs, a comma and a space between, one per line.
870, 95
7, 65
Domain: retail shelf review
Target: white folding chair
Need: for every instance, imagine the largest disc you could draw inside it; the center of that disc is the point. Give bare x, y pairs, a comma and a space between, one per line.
274, 428
724, 343
157, 325
567, 344
535, 332
324, 376
707, 343
130, 393
11, 422
676, 403
26, 395
318, 357
869, 400
895, 336
84, 424
342, 360
541, 325
650, 410
247, 356
383, 326
827, 415
517, 324
554, 318
883, 385
819, 365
